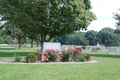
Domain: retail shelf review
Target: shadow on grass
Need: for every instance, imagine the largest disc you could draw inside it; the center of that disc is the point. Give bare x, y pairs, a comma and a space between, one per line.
12, 54
105, 55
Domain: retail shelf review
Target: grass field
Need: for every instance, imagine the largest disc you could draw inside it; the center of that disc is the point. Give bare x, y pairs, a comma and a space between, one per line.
107, 68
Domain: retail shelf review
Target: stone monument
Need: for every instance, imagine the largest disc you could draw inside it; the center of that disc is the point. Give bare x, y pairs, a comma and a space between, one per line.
94, 49
112, 50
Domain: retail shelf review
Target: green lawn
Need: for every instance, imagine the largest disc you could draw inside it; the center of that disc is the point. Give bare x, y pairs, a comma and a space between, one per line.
107, 68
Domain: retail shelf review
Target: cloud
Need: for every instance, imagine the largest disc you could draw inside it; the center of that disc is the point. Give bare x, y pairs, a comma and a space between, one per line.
104, 10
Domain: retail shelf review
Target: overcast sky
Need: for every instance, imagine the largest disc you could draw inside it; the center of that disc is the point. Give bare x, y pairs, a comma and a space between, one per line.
104, 10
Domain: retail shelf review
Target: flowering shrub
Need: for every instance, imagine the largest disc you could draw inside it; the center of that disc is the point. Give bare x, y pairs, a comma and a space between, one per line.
70, 55
51, 54
66, 55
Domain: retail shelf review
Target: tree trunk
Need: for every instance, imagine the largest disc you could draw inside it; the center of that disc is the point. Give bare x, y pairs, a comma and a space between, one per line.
37, 43
31, 42
19, 42
43, 39
42, 46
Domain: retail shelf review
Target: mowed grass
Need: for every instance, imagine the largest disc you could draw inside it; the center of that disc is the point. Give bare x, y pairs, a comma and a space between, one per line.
107, 68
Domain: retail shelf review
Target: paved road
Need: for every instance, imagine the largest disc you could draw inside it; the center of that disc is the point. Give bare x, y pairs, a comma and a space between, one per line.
6, 47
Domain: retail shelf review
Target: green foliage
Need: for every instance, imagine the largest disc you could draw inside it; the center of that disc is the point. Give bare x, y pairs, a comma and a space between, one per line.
87, 56
17, 58
117, 17
77, 38
83, 57
31, 58
65, 56
47, 18
90, 35
105, 36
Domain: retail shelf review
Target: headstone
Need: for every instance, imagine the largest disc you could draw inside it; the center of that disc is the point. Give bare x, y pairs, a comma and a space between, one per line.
48, 45
118, 48
98, 44
88, 48
112, 50
103, 48
51, 45
94, 49
78, 46
83, 47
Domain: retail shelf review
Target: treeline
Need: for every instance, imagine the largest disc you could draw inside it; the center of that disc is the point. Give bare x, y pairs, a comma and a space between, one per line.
106, 36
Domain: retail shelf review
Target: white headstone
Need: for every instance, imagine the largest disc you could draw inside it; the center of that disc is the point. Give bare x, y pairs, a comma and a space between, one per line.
51, 45
98, 44
112, 50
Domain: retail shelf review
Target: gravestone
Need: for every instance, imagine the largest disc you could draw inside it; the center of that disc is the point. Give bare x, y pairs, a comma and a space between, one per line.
88, 48
112, 50
48, 45
51, 45
78, 46
118, 48
83, 47
94, 49
103, 48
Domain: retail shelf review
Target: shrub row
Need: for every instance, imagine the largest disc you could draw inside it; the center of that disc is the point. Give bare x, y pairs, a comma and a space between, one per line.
66, 56
54, 55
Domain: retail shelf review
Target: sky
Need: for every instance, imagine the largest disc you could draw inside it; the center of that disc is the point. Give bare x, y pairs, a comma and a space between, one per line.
104, 10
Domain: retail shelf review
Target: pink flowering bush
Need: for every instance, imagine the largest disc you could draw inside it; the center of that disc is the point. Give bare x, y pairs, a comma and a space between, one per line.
70, 55
51, 54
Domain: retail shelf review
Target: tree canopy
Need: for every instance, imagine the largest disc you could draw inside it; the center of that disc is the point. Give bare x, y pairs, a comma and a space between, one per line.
47, 17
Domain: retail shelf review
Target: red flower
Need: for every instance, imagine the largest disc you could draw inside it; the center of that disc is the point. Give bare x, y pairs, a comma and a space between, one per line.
59, 54
76, 50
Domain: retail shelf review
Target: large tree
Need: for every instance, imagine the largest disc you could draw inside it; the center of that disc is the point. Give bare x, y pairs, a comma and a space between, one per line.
105, 36
91, 36
48, 17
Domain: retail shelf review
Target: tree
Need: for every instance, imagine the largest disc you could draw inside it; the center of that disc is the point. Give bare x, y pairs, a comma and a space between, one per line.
91, 36
115, 40
15, 32
77, 38
3, 36
64, 40
117, 17
48, 17
105, 35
